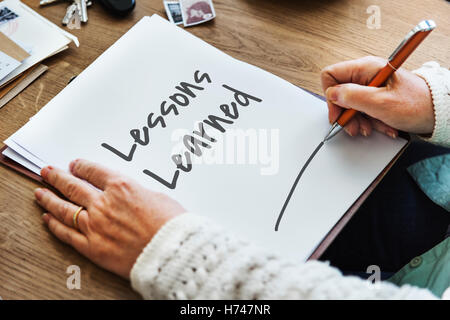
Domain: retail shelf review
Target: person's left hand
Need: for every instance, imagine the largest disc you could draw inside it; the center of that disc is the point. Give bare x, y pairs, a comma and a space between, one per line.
119, 217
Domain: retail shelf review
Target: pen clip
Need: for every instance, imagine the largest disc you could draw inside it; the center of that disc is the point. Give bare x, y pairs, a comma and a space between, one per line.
423, 26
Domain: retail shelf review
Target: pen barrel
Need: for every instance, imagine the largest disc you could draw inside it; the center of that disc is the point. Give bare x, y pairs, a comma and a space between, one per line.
346, 116
408, 49
382, 76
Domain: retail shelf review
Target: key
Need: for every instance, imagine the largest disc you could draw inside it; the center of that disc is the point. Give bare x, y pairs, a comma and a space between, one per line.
84, 16
71, 10
82, 10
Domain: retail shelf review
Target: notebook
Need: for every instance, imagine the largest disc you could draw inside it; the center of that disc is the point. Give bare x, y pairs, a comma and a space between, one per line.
224, 138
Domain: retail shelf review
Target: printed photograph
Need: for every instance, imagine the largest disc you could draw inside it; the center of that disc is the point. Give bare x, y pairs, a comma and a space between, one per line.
173, 11
195, 11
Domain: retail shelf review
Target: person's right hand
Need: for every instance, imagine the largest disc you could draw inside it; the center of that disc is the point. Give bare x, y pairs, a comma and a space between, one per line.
404, 103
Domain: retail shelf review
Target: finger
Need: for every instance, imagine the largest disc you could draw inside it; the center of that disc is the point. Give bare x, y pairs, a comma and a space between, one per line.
365, 127
334, 111
66, 234
369, 100
70, 186
359, 71
93, 173
384, 128
61, 209
352, 127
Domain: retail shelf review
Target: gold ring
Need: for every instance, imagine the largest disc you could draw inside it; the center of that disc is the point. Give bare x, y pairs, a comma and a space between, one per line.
75, 217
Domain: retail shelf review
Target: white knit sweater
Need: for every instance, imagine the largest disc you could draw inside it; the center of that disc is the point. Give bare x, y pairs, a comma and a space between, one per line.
192, 258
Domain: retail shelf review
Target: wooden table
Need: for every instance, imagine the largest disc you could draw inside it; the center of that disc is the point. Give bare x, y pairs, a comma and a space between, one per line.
292, 39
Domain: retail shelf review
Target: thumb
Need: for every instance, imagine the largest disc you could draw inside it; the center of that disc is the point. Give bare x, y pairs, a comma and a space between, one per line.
354, 96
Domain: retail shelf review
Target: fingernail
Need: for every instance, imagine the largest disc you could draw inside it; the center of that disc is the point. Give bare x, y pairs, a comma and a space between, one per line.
392, 134
364, 132
45, 217
38, 193
71, 165
331, 94
45, 171
348, 131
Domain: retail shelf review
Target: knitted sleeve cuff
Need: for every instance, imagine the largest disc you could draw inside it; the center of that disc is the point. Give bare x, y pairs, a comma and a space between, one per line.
438, 80
156, 269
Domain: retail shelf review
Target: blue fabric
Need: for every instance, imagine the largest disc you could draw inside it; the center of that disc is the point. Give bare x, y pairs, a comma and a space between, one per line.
395, 224
433, 177
430, 270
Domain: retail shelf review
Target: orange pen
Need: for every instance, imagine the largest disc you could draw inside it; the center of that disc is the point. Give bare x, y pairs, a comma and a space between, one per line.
403, 51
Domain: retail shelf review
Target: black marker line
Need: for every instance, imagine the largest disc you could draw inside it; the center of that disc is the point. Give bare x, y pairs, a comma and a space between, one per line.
295, 185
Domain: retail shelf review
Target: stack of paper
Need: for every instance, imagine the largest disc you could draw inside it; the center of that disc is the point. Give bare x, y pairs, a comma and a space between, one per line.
224, 138
26, 38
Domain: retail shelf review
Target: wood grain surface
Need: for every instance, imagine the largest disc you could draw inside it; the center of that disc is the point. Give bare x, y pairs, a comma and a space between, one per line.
292, 39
